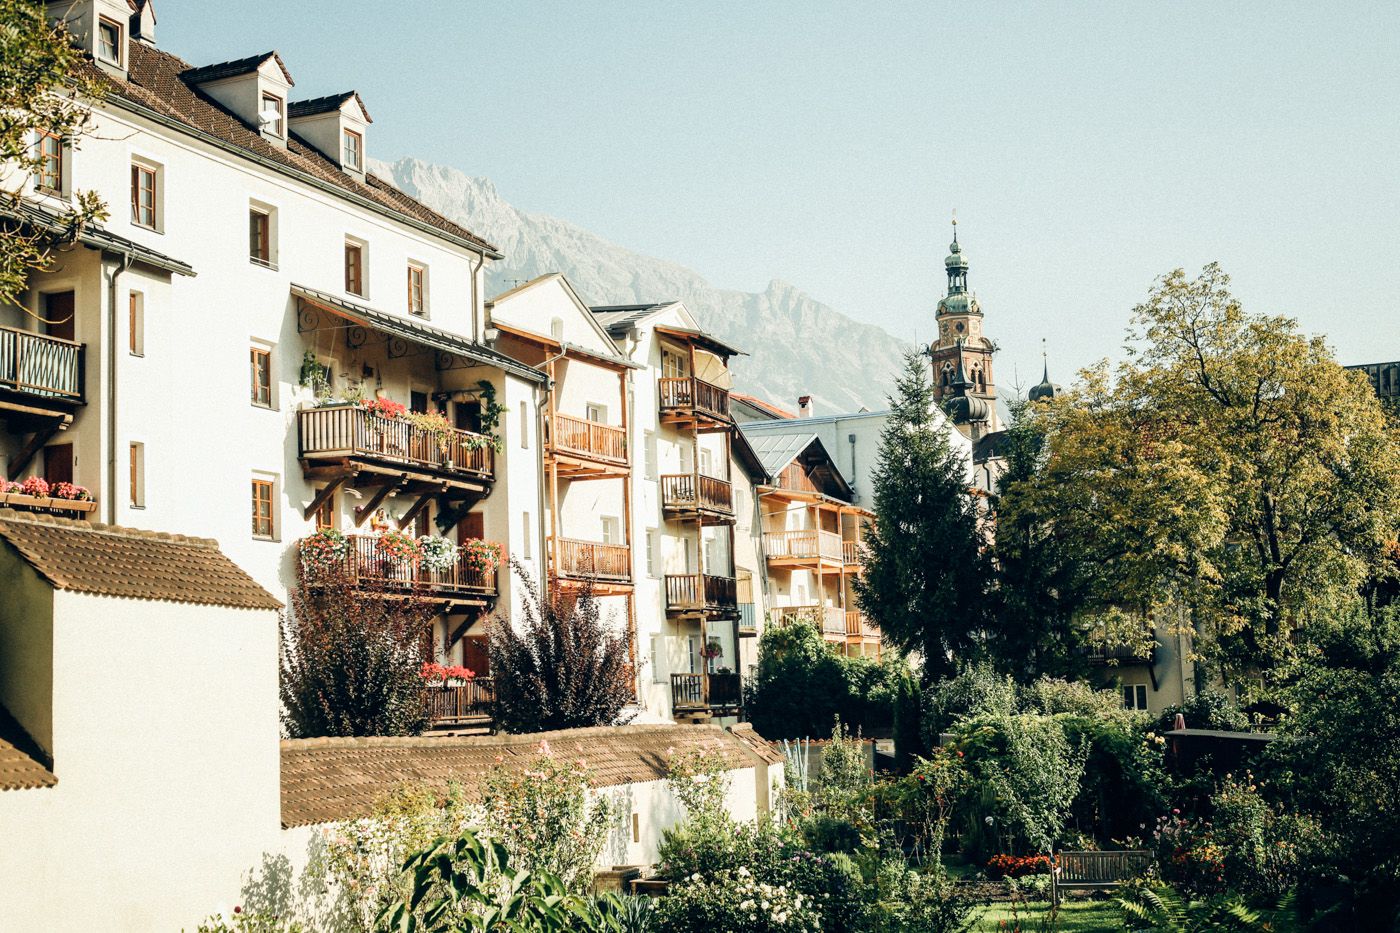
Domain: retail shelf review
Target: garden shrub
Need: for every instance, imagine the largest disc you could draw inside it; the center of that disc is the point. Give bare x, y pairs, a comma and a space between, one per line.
1208, 709
1123, 783
733, 901
977, 690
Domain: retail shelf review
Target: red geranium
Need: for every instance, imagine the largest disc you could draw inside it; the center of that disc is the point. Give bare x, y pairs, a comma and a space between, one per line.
1014, 866
384, 407
35, 486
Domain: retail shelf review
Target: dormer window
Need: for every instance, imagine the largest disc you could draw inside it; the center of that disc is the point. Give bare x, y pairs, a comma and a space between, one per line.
109, 41
353, 145
273, 115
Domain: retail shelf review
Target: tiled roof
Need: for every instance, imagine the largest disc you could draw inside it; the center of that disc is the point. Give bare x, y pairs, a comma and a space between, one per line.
616, 319
157, 82
107, 560
762, 405
328, 780
239, 66
21, 761
306, 108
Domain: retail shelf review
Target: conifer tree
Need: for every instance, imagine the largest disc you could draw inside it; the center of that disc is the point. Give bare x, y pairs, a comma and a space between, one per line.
926, 572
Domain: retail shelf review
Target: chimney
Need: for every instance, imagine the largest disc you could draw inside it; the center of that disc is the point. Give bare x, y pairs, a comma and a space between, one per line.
804, 406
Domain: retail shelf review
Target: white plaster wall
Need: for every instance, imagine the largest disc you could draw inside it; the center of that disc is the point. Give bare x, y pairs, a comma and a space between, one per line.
165, 749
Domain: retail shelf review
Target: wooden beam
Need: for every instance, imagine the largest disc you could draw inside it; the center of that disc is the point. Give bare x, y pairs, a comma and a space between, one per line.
407, 518
363, 512
36, 443
323, 495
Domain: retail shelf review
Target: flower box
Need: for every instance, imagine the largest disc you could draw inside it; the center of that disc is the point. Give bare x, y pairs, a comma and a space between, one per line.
18, 500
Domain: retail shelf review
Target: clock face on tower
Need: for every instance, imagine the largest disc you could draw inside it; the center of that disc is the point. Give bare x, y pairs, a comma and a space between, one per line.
960, 327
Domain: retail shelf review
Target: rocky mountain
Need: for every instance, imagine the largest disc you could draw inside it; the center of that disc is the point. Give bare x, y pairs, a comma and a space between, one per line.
796, 345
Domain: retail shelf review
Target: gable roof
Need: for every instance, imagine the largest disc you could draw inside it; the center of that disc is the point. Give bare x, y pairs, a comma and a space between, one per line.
618, 319
239, 66
764, 407
327, 104
108, 560
776, 450
610, 353
334, 779
158, 87
22, 762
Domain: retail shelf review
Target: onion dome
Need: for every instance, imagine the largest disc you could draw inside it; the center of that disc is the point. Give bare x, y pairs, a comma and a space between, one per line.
1045, 390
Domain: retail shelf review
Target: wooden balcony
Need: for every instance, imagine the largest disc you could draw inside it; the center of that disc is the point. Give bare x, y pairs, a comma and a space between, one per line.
701, 593
584, 449
714, 692
460, 585
467, 703
830, 619
748, 620
858, 626
850, 553
348, 436
805, 547
39, 374
693, 401
695, 495
589, 560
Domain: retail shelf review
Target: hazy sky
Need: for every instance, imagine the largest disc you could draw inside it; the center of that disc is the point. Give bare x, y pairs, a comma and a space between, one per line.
1087, 147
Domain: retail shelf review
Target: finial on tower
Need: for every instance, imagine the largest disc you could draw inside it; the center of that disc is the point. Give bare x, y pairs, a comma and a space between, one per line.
955, 225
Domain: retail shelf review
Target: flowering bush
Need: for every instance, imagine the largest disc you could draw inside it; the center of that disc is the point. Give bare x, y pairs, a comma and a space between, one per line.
384, 407
35, 486
481, 556
434, 424
438, 674
325, 550
544, 818
397, 547
436, 554
734, 901
71, 492
1016, 866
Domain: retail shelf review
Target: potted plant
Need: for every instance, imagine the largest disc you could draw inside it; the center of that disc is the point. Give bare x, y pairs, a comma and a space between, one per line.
396, 549
480, 556
436, 554
323, 552
435, 426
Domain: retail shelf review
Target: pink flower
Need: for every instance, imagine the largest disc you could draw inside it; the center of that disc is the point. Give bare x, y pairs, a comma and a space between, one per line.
35, 486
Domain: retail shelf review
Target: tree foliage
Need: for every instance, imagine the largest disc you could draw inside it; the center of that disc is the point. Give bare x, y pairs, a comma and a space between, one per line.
350, 660
42, 90
564, 668
1229, 471
926, 574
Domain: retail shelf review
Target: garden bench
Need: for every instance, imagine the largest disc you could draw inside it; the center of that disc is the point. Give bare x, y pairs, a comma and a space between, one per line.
1095, 871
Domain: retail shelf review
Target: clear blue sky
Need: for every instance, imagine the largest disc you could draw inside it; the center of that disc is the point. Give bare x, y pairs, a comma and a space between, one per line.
1088, 147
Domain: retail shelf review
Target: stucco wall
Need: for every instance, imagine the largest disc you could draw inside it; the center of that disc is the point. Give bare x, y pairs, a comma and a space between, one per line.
165, 748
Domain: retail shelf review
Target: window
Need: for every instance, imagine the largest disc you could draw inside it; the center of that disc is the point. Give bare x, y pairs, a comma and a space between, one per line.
355, 268
260, 237
50, 164
1135, 696
612, 529
653, 552
109, 41
649, 453
325, 513
143, 195
658, 659
272, 114
526, 552
260, 372
672, 364
354, 145
524, 427
416, 297
596, 413
135, 328
136, 466
262, 508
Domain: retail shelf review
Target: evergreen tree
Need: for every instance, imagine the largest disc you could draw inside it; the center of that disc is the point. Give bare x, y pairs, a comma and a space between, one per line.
926, 572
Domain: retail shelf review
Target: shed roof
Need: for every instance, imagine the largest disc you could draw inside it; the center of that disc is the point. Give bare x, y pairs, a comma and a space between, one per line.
21, 761
333, 779
108, 560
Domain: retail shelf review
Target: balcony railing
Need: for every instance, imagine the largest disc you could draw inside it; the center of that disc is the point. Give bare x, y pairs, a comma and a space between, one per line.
850, 553
697, 592
351, 431
590, 438
808, 544
1122, 654
691, 394
37, 364
368, 566
705, 691
697, 491
748, 619
472, 700
857, 625
830, 619
589, 560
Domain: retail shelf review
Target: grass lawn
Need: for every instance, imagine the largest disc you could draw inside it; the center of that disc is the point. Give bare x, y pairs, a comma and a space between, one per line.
1075, 917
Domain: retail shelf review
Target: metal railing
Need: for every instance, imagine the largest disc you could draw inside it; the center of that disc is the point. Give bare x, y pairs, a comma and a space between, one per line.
38, 364
689, 393
806, 544
588, 559
590, 438
351, 431
694, 591
697, 491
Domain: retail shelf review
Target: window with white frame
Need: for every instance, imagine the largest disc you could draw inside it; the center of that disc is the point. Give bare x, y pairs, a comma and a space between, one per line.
612, 529
353, 148
262, 232
659, 672
596, 413
109, 41
653, 538
1135, 696
273, 115
355, 280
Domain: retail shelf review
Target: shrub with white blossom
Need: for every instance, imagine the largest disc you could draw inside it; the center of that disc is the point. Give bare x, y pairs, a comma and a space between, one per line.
733, 901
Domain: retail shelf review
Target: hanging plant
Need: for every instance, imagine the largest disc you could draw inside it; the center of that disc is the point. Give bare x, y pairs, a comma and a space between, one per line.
324, 551
434, 425
480, 556
437, 554
385, 407
397, 548
711, 650
491, 412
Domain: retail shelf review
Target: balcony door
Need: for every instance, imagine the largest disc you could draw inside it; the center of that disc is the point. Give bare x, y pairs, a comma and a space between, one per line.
58, 315
472, 525
467, 416
672, 364
58, 463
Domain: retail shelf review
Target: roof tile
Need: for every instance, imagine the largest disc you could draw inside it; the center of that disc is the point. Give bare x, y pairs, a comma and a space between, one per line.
21, 763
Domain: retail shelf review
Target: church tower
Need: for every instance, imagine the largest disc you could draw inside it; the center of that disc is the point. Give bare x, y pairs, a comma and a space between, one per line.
962, 354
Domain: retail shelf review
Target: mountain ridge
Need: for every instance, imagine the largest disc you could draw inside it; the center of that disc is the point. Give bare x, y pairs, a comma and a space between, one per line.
795, 345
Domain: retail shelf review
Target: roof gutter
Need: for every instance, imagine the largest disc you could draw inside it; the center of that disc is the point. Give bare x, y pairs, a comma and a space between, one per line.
313, 181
